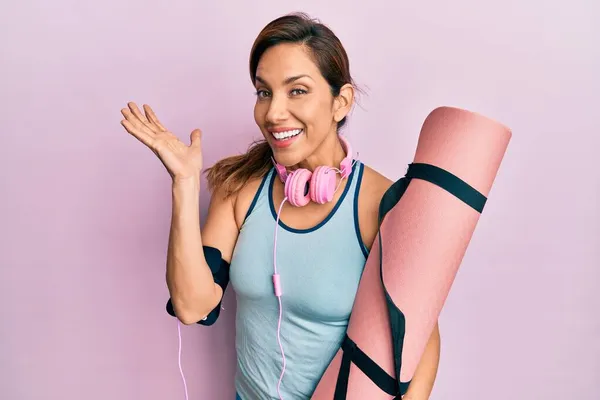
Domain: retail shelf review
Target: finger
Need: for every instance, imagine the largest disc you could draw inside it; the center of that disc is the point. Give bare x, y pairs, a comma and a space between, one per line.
195, 138
136, 111
135, 121
152, 117
139, 115
140, 135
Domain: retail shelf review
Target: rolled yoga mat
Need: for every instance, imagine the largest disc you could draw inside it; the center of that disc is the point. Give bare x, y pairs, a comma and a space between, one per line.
427, 219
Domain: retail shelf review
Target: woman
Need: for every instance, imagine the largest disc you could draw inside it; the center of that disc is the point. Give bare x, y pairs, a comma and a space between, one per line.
304, 93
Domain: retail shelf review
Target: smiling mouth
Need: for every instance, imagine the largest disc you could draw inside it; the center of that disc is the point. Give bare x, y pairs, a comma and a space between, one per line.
286, 135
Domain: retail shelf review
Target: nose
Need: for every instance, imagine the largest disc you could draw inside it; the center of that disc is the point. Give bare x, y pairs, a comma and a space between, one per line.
277, 111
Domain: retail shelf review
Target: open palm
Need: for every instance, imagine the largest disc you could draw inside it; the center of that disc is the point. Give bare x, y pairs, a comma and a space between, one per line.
182, 161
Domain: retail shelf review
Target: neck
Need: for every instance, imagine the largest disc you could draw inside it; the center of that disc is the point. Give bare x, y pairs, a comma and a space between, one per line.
330, 153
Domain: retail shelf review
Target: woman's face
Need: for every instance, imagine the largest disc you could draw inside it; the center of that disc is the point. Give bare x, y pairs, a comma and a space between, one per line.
295, 109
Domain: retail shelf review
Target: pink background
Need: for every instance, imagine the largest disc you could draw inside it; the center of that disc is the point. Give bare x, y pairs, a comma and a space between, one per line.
85, 208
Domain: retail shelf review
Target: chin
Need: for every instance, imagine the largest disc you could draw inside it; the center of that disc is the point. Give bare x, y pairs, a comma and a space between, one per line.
287, 158
288, 151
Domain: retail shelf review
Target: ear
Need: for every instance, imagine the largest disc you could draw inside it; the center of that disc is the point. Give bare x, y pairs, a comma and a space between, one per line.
343, 102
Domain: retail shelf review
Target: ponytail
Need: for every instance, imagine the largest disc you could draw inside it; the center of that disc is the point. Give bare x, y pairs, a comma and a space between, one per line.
232, 173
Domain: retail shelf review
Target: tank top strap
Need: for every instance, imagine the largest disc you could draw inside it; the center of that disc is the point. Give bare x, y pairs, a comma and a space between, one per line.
351, 204
262, 193
357, 174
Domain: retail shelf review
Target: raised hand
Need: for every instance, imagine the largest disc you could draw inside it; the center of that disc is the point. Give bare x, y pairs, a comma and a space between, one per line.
182, 161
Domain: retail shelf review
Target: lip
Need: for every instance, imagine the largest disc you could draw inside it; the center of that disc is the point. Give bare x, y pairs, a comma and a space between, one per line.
282, 129
281, 144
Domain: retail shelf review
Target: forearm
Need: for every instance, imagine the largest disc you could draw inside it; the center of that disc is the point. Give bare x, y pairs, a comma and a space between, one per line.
189, 278
422, 383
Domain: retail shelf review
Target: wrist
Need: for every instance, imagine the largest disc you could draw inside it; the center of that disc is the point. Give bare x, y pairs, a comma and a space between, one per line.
185, 183
185, 193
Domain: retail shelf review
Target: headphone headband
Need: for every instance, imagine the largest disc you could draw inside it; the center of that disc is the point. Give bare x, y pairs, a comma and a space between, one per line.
346, 163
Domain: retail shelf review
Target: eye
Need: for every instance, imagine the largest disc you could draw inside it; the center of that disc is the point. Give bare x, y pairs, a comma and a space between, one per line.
296, 92
261, 94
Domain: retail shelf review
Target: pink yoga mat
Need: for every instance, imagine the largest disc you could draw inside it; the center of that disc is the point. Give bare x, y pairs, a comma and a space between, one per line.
423, 240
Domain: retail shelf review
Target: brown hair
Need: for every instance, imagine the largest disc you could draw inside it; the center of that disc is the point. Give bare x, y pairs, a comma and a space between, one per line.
232, 173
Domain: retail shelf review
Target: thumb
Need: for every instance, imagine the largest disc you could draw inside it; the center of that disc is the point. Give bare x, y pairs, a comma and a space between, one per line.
195, 137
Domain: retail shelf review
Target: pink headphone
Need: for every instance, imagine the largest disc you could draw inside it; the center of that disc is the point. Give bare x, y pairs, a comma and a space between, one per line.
322, 184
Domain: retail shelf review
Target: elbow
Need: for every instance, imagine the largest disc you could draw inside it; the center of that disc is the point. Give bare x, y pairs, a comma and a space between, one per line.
190, 314
189, 318
194, 309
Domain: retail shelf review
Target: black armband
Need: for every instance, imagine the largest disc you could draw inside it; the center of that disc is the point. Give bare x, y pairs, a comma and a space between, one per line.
220, 272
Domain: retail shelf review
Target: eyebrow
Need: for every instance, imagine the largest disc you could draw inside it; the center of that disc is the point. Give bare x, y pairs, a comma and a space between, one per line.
287, 81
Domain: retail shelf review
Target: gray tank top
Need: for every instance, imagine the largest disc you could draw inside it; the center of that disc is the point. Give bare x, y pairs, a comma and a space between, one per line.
320, 270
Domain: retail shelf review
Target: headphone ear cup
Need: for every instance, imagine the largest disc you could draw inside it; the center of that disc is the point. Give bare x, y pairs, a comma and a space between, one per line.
295, 187
322, 184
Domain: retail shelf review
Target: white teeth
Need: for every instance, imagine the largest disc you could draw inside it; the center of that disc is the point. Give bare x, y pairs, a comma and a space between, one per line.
286, 134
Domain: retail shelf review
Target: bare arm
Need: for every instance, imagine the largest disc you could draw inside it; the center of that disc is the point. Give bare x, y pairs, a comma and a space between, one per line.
194, 293
422, 383
189, 279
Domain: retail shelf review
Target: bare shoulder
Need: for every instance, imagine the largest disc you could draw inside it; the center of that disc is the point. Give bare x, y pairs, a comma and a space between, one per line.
243, 199
374, 183
372, 188
225, 217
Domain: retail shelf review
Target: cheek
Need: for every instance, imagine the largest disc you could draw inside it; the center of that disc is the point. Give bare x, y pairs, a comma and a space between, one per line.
259, 115
315, 114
